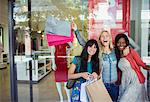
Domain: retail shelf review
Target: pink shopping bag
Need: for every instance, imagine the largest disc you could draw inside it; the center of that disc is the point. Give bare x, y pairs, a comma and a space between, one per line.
58, 31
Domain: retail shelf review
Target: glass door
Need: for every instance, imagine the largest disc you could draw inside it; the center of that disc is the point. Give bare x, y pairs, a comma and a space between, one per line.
22, 49
33, 57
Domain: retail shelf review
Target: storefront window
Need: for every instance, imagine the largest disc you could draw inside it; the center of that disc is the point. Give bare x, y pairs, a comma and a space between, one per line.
66, 10
91, 17
145, 29
36, 41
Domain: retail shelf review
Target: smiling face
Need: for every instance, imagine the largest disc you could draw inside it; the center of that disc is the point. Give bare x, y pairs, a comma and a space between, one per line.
121, 44
105, 39
91, 50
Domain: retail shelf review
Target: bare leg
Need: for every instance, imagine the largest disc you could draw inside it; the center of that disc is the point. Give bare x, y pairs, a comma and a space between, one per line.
67, 92
58, 85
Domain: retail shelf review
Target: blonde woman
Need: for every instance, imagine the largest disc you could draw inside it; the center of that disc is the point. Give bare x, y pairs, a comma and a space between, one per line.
109, 64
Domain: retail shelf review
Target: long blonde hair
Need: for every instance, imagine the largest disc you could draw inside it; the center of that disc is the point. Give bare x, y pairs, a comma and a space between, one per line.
110, 42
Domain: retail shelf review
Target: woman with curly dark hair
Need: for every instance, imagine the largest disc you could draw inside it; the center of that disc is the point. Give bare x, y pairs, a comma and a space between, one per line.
132, 88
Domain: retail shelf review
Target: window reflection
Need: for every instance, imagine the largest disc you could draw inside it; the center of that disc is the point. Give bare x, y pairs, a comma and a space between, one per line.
67, 10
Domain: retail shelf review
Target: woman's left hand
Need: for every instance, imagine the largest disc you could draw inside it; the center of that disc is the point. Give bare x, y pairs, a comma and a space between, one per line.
148, 67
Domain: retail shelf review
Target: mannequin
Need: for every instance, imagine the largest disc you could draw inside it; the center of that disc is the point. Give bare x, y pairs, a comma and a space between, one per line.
59, 65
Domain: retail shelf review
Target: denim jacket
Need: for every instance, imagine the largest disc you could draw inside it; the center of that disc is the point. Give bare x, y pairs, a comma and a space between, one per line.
109, 67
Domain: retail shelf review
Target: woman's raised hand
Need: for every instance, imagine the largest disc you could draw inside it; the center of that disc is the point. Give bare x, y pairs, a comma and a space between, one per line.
126, 51
74, 26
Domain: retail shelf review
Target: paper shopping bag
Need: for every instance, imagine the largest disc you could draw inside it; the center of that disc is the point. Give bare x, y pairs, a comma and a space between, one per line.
57, 27
97, 92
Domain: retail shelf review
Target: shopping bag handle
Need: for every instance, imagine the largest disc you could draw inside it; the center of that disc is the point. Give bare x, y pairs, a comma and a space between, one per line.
91, 80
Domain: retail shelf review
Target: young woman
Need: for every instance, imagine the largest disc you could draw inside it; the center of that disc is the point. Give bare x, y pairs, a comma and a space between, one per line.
109, 65
87, 67
132, 87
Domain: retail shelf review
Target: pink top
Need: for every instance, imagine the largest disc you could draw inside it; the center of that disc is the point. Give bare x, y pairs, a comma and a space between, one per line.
135, 61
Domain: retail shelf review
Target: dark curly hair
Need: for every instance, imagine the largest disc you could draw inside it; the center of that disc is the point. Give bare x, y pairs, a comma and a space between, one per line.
117, 38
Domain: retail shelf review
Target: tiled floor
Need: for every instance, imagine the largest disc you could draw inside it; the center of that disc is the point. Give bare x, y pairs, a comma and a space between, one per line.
44, 91
4, 85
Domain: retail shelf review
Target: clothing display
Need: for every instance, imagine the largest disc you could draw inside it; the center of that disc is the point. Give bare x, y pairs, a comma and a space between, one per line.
61, 73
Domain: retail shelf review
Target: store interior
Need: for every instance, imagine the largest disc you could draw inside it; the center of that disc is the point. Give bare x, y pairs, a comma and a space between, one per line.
31, 47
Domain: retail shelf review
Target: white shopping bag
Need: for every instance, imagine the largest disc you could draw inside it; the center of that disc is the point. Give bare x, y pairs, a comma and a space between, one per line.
83, 94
